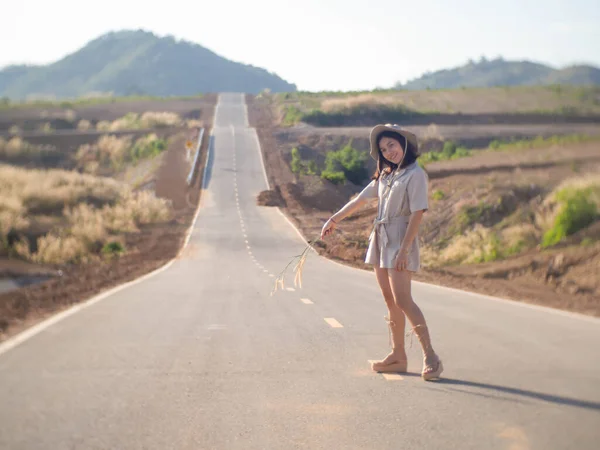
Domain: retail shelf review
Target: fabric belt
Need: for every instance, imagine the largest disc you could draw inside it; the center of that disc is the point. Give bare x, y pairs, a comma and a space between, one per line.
379, 227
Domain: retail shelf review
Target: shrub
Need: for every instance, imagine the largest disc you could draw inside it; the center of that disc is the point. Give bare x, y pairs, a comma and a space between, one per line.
450, 151
292, 115
336, 177
438, 195
349, 162
577, 211
147, 147
113, 248
469, 215
296, 164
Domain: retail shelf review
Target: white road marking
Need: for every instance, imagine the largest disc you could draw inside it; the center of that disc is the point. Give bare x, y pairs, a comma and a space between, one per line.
333, 323
291, 289
306, 301
392, 376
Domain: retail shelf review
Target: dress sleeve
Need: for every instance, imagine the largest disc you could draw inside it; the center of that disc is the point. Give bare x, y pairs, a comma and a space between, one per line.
418, 191
369, 192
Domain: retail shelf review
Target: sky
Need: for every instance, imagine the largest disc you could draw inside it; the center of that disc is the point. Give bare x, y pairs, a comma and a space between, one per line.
321, 44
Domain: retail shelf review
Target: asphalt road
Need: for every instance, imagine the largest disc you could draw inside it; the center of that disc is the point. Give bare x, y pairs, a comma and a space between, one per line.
201, 356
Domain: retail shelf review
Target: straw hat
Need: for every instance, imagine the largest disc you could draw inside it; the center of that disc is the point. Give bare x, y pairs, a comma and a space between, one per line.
378, 129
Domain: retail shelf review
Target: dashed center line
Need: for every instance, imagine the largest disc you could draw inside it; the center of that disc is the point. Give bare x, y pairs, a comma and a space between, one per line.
306, 301
392, 376
333, 323
291, 289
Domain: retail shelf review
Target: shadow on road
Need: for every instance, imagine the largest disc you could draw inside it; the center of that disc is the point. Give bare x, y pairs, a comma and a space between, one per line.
595, 406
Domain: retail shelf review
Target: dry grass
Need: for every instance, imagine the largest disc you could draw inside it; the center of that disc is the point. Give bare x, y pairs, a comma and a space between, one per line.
16, 147
337, 104
17, 151
194, 123
46, 189
471, 247
108, 151
84, 125
103, 125
94, 209
147, 120
111, 153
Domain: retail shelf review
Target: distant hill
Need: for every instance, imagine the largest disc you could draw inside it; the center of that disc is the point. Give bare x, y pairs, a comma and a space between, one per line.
498, 72
137, 63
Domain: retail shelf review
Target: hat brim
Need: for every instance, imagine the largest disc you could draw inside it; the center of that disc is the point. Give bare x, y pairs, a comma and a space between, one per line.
378, 129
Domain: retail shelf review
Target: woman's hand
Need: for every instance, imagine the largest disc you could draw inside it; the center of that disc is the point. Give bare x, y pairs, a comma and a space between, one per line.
401, 262
328, 228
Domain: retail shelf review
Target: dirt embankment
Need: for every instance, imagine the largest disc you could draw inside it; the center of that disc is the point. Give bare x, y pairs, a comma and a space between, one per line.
147, 250
512, 186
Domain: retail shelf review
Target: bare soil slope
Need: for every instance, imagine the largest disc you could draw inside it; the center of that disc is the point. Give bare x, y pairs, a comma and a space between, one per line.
565, 276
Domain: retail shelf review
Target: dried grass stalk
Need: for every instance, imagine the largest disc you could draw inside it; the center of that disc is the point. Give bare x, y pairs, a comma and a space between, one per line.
298, 268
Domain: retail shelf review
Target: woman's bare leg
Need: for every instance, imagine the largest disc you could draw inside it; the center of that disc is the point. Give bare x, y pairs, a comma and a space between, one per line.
400, 282
396, 317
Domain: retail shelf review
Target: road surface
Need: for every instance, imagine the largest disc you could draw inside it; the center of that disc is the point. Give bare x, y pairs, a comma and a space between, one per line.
200, 356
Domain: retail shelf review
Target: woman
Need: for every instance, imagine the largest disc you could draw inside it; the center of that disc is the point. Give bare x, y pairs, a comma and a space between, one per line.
401, 188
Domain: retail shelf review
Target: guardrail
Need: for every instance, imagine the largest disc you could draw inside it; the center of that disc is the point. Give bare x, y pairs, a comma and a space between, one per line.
196, 156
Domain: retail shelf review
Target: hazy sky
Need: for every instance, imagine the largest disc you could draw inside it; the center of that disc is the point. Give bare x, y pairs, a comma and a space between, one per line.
321, 44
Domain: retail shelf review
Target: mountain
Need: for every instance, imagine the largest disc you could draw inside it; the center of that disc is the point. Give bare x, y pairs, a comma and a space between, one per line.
137, 63
498, 72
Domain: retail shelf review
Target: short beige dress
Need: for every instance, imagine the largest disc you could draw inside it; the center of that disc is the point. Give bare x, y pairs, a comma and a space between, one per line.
400, 194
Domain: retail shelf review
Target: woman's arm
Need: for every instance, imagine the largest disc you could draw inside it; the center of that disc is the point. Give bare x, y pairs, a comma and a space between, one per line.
417, 200
411, 231
349, 208
369, 192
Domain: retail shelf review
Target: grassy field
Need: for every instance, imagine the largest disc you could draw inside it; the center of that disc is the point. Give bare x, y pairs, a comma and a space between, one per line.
331, 108
61, 204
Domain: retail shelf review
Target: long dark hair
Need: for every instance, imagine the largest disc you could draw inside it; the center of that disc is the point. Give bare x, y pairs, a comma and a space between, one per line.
385, 166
